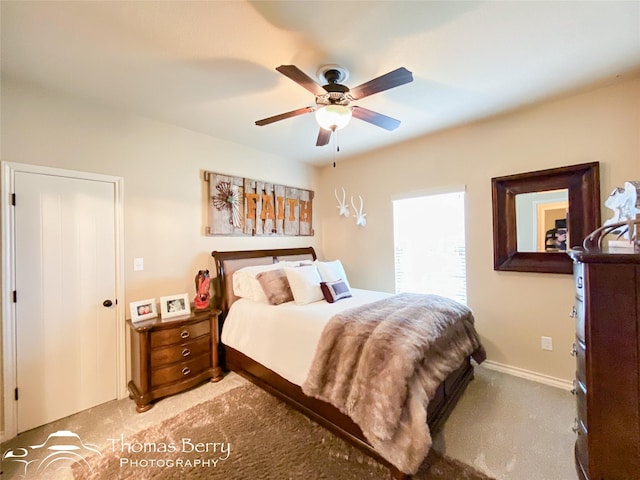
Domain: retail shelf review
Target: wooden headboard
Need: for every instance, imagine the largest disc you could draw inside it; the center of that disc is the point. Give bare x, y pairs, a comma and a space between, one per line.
229, 262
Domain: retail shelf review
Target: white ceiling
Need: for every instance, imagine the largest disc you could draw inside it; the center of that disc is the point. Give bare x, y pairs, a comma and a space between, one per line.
210, 66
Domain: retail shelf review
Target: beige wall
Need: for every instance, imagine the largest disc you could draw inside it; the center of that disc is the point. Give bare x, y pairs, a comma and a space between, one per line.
164, 194
513, 310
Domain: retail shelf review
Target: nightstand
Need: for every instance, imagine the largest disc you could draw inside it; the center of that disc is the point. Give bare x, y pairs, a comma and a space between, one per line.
173, 355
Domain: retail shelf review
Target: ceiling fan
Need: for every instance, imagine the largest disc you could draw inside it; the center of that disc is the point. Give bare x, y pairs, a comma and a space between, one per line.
332, 100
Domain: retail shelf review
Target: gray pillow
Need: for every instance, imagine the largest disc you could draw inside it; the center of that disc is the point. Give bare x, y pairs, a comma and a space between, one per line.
334, 291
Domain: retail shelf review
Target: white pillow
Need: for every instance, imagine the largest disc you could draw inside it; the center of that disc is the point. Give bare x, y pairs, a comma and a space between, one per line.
246, 285
305, 284
332, 271
295, 263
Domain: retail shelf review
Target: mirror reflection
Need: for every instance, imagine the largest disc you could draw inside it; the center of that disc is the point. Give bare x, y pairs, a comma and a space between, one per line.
541, 221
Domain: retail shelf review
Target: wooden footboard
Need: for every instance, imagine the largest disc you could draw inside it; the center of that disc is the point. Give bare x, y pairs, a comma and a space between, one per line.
330, 417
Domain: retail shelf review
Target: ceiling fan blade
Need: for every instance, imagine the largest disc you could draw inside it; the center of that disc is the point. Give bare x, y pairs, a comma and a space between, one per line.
375, 118
301, 78
282, 116
324, 136
393, 79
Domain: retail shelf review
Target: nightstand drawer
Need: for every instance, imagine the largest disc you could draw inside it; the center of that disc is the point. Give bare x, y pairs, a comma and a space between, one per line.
180, 334
182, 352
180, 371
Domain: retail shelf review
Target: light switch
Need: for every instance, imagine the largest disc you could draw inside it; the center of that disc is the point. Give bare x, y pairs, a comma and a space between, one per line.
138, 264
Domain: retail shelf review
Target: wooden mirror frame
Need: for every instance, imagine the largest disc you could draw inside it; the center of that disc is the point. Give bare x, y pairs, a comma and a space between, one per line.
583, 185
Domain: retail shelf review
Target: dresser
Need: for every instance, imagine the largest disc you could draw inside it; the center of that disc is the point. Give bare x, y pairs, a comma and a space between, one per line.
607, 352
170, 356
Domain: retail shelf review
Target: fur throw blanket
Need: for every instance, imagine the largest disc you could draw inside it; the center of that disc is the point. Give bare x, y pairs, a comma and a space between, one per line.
381, 363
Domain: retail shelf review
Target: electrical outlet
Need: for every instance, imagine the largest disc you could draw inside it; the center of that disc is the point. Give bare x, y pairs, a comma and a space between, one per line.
546, 343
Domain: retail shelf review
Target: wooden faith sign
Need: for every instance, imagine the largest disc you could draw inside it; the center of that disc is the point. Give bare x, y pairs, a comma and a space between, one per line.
242, 206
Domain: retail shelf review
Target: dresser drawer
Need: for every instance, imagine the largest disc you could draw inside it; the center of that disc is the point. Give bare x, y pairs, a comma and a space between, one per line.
180, 334
581, 367
578, 278
180, 371
580, 319
182, 352
581, 404
582, 452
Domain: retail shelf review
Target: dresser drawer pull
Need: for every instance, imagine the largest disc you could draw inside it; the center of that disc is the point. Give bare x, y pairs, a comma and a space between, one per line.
579, 282
184, 334
575, 428
186, 352
573, 313
574, 350
186, 371
574, 389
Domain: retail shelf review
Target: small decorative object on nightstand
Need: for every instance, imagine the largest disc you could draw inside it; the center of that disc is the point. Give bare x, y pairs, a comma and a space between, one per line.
203, 290
172, 356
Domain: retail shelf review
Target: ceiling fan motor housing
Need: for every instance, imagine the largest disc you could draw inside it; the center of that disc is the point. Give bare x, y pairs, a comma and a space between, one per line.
336, 91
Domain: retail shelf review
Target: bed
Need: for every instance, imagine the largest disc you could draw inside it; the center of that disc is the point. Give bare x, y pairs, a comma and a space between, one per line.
284, 378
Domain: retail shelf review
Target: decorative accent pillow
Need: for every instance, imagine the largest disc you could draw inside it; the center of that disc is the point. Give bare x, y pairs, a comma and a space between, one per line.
334, 291
332, 271
305, 284
275, 286
246, 285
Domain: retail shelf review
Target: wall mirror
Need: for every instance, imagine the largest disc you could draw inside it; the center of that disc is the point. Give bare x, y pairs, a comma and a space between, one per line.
538, 215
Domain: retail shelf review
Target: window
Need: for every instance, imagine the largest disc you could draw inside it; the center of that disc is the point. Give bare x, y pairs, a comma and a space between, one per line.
429, 242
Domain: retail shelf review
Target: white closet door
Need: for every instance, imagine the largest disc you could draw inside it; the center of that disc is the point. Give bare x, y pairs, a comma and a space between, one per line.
65, 270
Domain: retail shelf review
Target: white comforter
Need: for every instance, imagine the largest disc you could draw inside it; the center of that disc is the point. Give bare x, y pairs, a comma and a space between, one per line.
284, 337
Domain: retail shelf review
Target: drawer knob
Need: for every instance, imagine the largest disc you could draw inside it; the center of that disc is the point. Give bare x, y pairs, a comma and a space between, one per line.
579, 282
184, 334
574, 351
186, 371
574, 389
575, 428
186, 352
573, 312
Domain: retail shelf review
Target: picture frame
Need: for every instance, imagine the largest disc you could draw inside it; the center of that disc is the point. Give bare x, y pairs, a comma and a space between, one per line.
143, 310
175, 306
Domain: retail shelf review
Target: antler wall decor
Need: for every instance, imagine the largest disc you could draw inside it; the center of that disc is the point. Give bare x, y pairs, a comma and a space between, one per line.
342, 204
361, 221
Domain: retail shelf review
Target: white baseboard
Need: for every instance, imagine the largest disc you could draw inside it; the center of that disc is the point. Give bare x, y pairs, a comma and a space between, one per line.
528, 375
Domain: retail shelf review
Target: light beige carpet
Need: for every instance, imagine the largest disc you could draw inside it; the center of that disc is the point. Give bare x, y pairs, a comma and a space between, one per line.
247, 434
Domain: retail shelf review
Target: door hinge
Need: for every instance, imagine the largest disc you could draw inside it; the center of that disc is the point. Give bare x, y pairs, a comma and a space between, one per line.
16, 394
15, 296
13, 199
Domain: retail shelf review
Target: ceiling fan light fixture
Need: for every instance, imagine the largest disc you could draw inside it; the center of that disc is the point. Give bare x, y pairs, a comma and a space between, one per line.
333, 117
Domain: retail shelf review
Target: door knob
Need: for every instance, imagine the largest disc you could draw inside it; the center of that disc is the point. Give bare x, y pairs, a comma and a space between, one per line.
107, 303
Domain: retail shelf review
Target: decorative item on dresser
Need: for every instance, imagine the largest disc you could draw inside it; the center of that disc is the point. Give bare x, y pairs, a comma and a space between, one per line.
172, 356
607, 350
